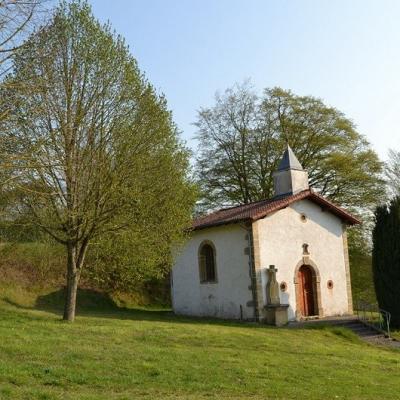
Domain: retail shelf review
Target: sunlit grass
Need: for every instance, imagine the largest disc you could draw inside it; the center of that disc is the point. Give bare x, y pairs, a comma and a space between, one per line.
111, 353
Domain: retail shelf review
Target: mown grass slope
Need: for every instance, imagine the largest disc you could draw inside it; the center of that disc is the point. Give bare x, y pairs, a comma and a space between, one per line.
112, 353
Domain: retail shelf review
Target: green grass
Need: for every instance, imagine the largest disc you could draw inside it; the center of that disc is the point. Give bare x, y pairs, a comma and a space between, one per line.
151, 354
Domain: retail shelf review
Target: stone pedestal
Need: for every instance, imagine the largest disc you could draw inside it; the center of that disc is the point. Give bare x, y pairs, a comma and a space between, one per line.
276, 314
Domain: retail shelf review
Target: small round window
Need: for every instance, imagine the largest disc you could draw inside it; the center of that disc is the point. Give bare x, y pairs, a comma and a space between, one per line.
330, 284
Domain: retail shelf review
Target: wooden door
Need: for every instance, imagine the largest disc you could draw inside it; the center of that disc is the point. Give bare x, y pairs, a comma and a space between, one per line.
306, 289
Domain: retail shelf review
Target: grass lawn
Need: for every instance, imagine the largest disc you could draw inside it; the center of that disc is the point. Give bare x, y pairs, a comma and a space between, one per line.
151, 354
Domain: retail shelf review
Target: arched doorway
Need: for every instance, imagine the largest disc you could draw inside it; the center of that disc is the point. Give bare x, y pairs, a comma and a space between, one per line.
306, 291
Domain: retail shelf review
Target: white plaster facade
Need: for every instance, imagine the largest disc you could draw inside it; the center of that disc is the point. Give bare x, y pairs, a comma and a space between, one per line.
303, 229
229, 296
281, 236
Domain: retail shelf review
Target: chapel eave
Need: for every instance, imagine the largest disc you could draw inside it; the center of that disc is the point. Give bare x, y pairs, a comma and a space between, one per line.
254, 211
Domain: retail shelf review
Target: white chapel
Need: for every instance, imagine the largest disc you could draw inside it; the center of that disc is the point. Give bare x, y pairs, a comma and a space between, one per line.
287, 253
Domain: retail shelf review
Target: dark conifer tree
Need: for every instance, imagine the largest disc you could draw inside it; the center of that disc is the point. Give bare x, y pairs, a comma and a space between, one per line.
386, 259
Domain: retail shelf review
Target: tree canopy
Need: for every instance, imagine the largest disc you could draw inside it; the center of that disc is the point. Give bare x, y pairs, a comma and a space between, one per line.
91, 147
243, 136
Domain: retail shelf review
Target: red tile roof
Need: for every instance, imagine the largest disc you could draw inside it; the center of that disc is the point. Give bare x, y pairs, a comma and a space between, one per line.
260, 209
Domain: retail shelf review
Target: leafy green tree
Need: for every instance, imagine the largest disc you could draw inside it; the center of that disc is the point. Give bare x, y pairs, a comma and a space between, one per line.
386, 258
93, 152
243, 136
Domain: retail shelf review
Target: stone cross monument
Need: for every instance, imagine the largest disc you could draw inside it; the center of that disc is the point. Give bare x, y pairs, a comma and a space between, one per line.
272, 286
275, 313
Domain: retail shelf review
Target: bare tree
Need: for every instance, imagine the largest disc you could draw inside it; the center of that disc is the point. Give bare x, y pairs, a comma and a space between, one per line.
18, 19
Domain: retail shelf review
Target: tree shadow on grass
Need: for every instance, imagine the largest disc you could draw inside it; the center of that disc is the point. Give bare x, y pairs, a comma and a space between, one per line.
89, 303
93, 303
96, 304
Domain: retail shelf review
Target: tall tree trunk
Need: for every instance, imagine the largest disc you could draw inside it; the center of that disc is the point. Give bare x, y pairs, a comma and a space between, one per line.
73, 273
76, 257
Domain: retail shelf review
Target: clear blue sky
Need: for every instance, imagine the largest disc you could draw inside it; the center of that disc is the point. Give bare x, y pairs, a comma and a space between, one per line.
345, 52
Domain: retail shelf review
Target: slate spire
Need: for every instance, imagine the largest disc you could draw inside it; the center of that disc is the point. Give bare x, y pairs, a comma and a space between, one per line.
289, 161
290, 177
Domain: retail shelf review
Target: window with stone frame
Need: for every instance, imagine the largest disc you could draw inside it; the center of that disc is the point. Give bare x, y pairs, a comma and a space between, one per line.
207, 263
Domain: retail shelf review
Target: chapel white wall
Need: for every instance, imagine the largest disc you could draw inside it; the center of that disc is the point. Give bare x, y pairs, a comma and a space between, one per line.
232, 290
281, 236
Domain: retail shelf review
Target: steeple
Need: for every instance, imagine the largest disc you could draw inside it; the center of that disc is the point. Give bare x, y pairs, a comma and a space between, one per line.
289, 161
290, 178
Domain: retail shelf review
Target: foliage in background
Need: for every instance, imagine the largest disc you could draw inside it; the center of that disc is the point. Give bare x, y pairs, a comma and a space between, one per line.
392, 173
243, 136
362, 283
386, 258
35, 265
92, 149
36, 268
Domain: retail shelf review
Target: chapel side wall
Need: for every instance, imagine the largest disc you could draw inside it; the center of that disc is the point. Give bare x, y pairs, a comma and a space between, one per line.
281, 236
233, 287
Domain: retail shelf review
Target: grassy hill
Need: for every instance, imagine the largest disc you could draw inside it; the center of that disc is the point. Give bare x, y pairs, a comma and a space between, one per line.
34, 268
151, 354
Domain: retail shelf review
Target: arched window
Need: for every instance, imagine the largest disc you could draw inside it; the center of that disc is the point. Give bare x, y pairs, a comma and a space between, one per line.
207, 263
